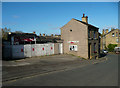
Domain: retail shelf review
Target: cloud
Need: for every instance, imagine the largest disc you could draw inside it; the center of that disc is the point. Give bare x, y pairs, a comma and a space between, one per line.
15, 16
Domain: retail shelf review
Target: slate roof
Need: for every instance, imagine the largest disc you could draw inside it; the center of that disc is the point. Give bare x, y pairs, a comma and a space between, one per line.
22, 34
86, 23
111, 31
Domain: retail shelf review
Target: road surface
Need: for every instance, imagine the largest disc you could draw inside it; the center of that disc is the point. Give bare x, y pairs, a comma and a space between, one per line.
99, 74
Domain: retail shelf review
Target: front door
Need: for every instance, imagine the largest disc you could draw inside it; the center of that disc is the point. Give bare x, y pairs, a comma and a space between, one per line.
89, 50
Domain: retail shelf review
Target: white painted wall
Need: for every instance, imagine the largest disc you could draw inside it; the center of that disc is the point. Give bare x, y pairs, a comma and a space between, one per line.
33, 49
61, 48
29, 50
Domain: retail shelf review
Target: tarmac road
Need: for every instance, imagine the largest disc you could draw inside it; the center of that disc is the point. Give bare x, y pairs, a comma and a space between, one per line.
99, 74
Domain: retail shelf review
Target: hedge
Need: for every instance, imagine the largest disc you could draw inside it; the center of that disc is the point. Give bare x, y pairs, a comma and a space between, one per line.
111, 47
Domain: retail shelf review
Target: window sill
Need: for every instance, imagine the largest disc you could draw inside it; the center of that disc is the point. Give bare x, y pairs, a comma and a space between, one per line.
96, 38
72, 51
90, 38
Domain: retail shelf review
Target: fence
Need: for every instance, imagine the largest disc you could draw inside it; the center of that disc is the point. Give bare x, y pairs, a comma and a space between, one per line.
30, 50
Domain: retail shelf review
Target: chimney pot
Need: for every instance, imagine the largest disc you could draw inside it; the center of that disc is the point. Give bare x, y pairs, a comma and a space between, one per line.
112, 29
33, 32
83, 15
106, 30
103, 32
43, 34
40, 34
51, 34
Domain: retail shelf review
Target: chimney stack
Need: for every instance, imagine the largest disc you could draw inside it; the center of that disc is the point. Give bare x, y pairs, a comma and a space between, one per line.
43, 34
33, 32
40, 34
106, 31
83, 15
52, 35
103, 32
85, 18
112, 29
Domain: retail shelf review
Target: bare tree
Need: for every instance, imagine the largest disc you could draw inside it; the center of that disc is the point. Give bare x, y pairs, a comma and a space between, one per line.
5, 32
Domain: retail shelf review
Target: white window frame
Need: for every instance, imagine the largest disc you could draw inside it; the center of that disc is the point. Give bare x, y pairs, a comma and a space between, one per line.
73, 48
116, 34
113, 35
117, 40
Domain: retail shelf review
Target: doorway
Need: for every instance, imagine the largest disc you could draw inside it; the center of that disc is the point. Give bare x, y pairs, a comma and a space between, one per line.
89, 51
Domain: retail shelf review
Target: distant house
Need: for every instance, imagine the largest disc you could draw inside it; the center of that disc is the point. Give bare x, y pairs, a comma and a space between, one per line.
110, 37
30, 38
52, 38
80, 38
21, 38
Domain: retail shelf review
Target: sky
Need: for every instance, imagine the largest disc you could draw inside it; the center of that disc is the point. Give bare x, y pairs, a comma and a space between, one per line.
48, 17
119, 15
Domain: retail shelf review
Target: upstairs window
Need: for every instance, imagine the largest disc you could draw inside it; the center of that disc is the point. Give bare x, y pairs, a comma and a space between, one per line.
116, 34
117, 40
88, 33
113, 34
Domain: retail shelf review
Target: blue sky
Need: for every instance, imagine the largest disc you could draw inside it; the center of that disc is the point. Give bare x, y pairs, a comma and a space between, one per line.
48, 17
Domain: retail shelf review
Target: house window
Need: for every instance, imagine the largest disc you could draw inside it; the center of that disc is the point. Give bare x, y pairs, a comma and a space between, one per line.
73, 47
113, 34
117, 40
70, 30
88, 33
116, 34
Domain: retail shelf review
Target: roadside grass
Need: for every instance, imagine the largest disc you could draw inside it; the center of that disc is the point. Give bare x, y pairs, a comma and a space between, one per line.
82, 58
112, 52
72, 54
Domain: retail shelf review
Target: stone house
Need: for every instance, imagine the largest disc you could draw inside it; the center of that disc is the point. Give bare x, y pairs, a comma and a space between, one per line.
80, 38
110, 37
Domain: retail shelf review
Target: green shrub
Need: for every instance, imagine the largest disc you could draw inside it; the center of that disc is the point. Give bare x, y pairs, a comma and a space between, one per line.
111, 47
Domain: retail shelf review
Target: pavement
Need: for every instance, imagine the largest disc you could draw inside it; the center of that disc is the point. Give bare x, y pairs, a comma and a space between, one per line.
39, 60
19, 69
53, 59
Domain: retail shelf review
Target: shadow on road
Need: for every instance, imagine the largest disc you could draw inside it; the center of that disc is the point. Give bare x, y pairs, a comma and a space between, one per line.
11, 59
102, 55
